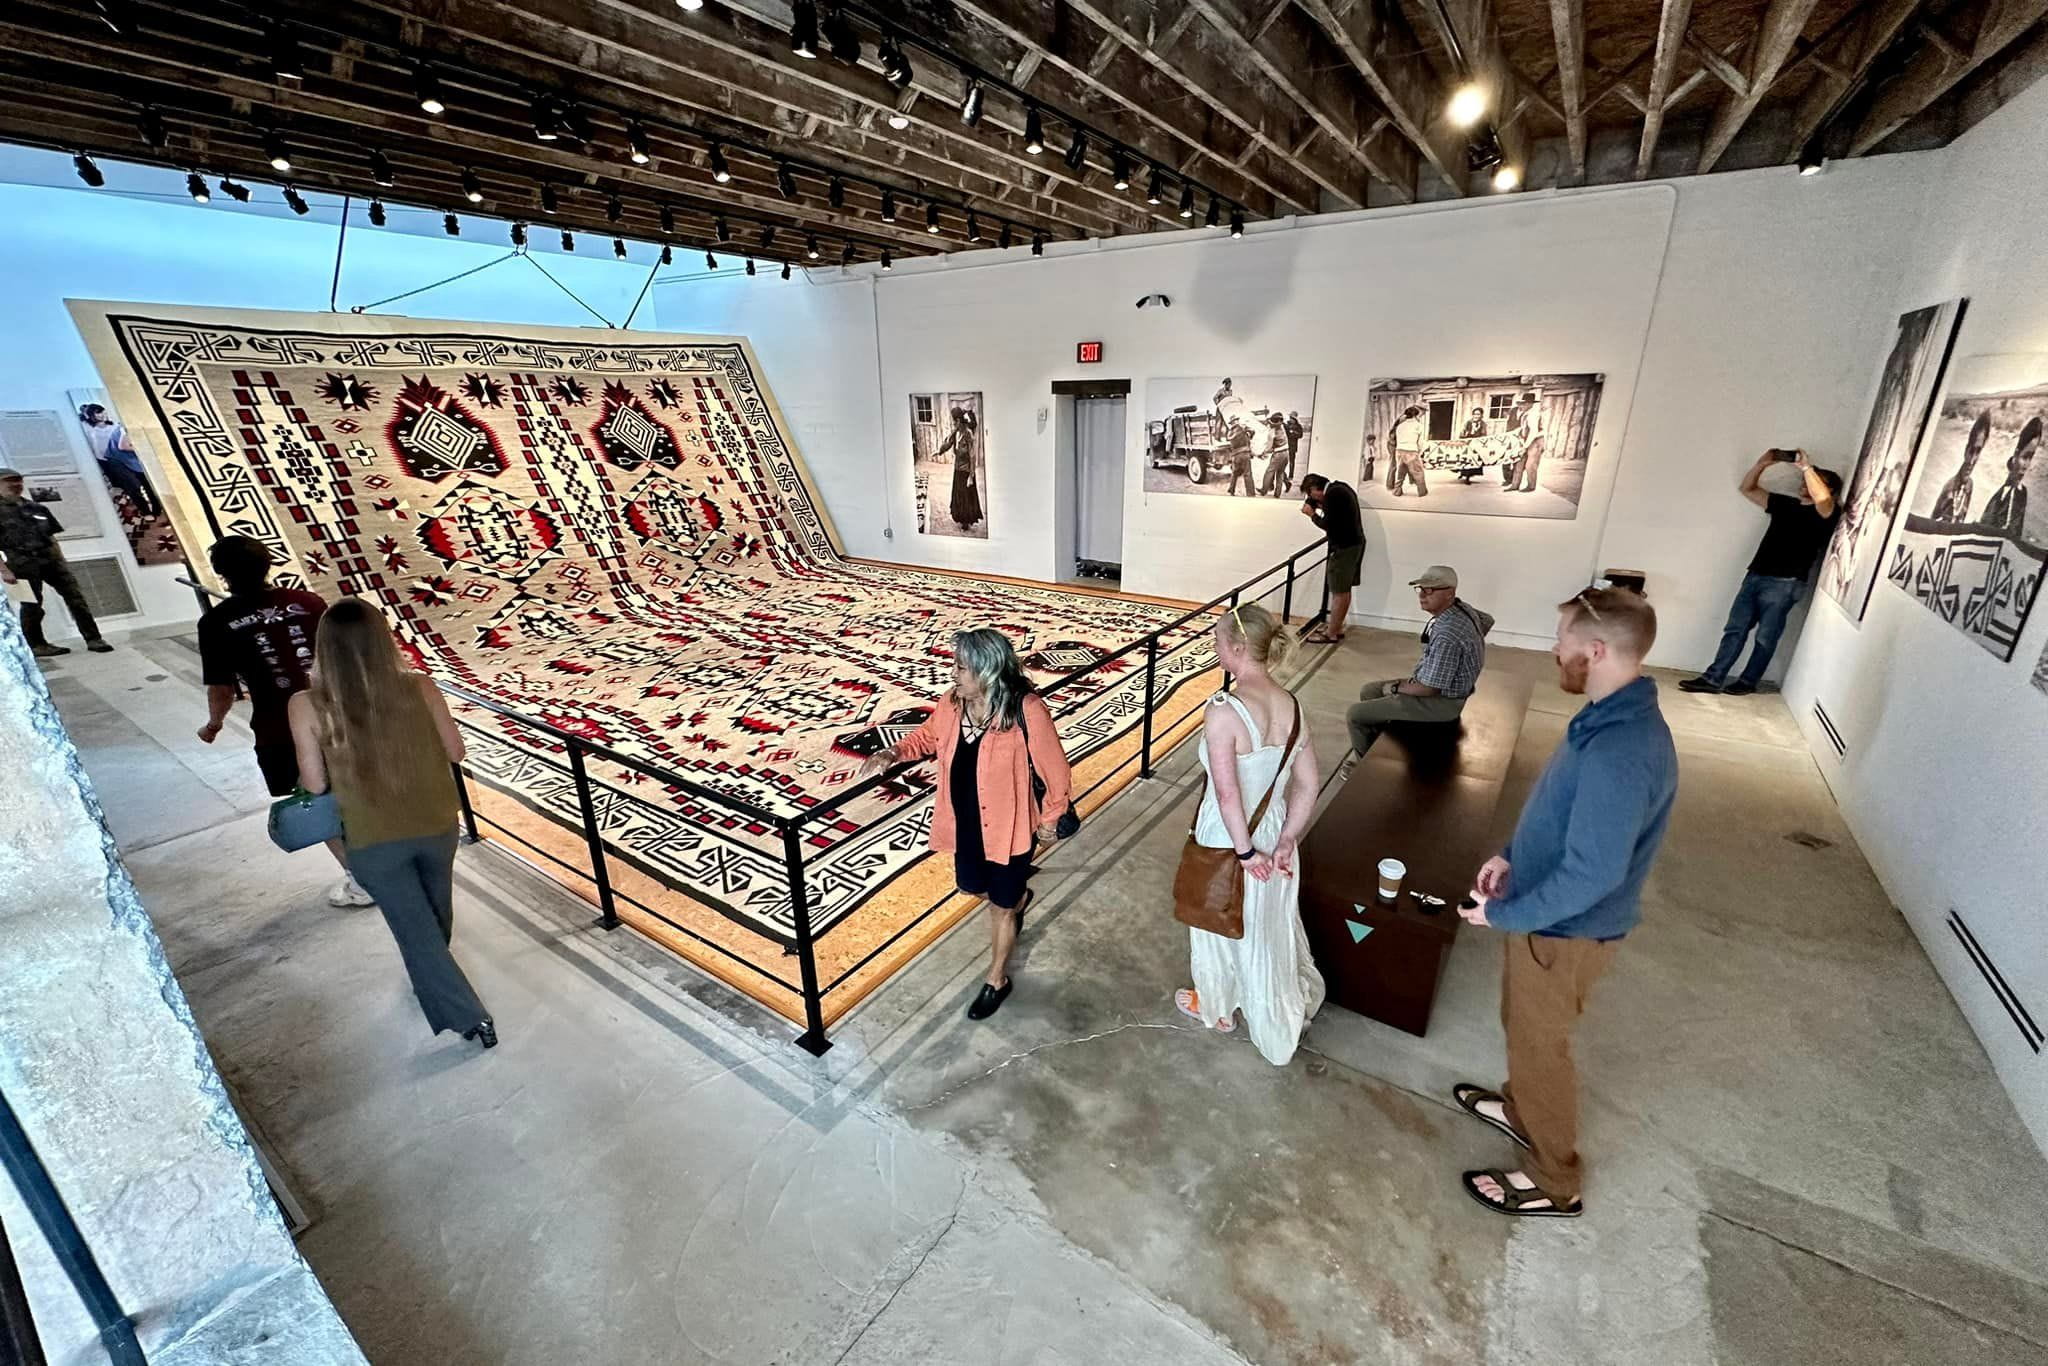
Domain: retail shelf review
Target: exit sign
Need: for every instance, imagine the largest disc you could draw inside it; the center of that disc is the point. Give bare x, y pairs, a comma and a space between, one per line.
1088, 353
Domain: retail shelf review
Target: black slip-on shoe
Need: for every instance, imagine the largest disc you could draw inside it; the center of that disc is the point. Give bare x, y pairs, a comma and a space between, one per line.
1700, 684
989, 1001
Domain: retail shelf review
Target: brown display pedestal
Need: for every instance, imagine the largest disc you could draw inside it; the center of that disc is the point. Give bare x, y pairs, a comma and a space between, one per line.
1430, 797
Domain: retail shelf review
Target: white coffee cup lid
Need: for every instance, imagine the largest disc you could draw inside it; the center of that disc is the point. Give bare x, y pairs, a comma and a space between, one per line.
1393, 867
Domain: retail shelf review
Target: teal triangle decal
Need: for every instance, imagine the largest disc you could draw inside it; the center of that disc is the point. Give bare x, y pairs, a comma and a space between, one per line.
1358, 931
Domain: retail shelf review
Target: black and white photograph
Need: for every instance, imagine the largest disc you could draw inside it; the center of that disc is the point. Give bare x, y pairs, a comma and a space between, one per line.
1236, 436
1877, 485
1489, 445
949, 462
1975, 535
145, 521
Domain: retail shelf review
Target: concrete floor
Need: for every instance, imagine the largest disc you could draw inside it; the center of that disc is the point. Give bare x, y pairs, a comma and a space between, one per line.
1797, 1152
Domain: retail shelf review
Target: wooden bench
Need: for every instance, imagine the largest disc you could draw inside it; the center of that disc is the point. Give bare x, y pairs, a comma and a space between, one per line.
1428, 795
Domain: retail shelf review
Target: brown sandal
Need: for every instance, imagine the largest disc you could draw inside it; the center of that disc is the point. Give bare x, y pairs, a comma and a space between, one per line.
1469, 1098
1514, 1200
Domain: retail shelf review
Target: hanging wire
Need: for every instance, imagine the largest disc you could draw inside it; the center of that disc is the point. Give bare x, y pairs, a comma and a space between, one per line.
340, 243
568, 291
645, 285
364, 308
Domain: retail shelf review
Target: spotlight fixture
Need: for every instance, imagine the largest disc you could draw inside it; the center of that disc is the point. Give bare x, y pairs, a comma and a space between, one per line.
898, 120
710, 261
1209, 219
234, 189
451, 225
691, 5
380, 169
1038, 244
619, 247
970, 103
151, 125
888, 262
720, 230
720, 172
1187, 200
613, 210
895, 66
426, 86
1155, 191
285, 62
767, 238
973, 227
548, 202
195, 185
785, 270
811, 246
1006, 239
1119, 170
803, 31
840, 36
668, 219
275, 149
668, 257
1236, 224
1034, 131
547, 118
89, 171
785, 180
888, 206
377, 215
1810, 158
1483, 152
835, 195
1077, 152
636, 140
1506, 178
846, 255
574, 125
750, 265
472, 189
931, 218
295, 199
518, 234
1468, 105
568, 240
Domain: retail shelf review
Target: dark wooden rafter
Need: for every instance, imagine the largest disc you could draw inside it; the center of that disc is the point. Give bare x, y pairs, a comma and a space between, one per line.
1568, 31
1931, 73
1844, 58
1671, 27
1776, 34
1469, 26
1385, 52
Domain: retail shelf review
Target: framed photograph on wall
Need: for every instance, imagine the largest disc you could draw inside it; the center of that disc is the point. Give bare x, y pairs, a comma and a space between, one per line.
1490, 445
1238, 436
145, 521
949, 464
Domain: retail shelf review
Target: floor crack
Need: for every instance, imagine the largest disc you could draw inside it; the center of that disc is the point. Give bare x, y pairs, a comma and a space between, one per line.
922, 1258
1040, 1048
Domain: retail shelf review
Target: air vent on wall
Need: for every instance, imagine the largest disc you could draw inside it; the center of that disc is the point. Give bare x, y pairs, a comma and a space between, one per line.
1995, 979
1827, 723
105, 585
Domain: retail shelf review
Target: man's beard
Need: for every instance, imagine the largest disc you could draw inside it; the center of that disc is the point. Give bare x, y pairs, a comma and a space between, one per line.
1571, 674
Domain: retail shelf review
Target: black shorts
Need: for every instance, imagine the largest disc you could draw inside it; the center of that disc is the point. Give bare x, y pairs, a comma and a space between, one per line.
1001, 883
280, 764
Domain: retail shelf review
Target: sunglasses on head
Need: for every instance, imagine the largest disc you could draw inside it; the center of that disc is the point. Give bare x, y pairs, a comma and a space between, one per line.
1587, 602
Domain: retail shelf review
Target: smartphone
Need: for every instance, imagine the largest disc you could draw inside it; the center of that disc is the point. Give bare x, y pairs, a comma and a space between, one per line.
1784, 456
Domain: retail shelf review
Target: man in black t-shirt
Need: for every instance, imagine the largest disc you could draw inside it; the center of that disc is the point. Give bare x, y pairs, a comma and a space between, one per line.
1333, 506
1784, 559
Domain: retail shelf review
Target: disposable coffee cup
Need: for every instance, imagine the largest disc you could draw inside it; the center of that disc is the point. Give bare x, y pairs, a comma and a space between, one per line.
1392, 870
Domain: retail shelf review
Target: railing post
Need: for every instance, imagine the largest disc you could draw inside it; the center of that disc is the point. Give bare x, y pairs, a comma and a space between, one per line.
608, 918
469, 835
812, 1040
1151, 671
1226, 672
1287, 598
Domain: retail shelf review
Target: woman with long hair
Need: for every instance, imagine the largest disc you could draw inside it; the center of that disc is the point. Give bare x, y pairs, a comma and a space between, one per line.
964, 441
989, 733
1268, 974
381, 735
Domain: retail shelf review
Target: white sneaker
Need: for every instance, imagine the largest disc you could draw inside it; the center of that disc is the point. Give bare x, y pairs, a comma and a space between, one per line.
347, 893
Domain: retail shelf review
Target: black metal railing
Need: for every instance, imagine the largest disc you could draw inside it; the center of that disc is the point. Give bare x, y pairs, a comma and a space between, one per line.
789, 828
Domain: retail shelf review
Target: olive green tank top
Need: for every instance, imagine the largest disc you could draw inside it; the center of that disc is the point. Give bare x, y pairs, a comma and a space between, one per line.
418, 782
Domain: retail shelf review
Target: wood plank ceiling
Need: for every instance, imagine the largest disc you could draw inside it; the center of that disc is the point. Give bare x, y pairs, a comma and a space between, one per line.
841, 132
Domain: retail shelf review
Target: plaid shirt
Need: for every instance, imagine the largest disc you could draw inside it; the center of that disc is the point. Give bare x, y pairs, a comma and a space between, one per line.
1453, 652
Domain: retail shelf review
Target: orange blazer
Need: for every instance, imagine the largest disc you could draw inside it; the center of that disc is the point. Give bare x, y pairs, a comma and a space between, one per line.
1002, 777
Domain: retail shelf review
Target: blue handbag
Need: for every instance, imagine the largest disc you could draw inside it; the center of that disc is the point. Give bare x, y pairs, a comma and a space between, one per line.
304, 819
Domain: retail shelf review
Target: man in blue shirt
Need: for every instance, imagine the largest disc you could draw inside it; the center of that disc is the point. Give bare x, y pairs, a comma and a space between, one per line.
1568, 888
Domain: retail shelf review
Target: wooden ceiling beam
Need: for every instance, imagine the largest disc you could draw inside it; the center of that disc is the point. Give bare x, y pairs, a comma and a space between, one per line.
1931, 73
1470, 26
1782, 23
1568, 31
1182, 51
1852, 54
1671, 26
1293, 53
1722, 70
1387, 54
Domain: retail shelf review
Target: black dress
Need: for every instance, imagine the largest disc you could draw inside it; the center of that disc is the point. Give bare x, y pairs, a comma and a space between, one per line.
1002, 883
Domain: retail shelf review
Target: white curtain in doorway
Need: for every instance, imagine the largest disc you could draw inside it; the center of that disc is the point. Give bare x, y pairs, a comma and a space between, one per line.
1099, 462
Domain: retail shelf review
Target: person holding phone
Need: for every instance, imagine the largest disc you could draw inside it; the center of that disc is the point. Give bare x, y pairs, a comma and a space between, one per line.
1798, 532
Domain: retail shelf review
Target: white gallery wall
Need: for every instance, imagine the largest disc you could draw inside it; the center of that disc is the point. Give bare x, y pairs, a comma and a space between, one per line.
1945, 779
71, 242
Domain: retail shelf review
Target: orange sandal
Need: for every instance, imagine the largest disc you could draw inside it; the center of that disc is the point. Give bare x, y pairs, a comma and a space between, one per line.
1188, 1004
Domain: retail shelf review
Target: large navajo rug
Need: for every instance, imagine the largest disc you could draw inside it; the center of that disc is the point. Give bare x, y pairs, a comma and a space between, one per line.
611, 533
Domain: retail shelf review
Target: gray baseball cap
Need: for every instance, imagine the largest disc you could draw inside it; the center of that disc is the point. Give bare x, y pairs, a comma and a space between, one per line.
11, 474
1436, 576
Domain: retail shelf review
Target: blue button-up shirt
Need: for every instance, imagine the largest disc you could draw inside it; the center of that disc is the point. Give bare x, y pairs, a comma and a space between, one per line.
1592, 825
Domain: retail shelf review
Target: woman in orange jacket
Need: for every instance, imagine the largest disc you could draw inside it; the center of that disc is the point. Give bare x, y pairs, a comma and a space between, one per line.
988, 734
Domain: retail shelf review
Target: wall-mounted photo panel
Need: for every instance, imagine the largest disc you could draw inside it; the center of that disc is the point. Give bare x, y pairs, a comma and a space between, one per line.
1975, 535
145, 521
1229, 436
1491, 445
949, 462
1877, 486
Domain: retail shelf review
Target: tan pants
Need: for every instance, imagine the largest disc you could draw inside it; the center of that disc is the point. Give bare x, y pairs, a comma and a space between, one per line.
1543, 992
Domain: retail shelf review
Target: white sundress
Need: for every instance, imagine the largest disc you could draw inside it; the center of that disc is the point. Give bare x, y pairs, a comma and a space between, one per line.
1268, 974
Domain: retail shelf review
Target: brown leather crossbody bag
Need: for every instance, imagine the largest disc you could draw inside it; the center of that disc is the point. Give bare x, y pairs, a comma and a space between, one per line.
1208, 888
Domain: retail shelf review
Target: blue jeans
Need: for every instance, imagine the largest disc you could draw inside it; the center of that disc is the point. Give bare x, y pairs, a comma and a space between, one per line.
1761, 604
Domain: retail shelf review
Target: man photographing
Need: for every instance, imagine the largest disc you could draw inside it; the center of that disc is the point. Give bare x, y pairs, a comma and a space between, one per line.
1333, 505
1798, 532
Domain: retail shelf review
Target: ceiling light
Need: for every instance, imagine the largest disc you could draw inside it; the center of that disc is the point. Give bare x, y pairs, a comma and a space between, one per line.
285, 63
1209, 219
1810, 158
518, 234
573, 123
888, 206
427, 86
195, 185
803, 32
719, 229
835, 194
152, 127
451, 225
1506, 178
846, 254
274, 148
750, 265
89, 171
619, 247
691, 5
1155, 192
785, 270
895, 66
668, 219
841, 38
1119, 170
970, 103
973, 227
613, 209
548, 202
636, 140
767, 237
1483, 152
1034, 131
668, 258
568, 240
710, 261
547, 118
785, 180
1187, 200
1005, 240
472, 190
380, 169
1468, 105
720, 172
295, 199
888, 262
1236, 224
1077, 152
1038, 244
117, 15
931, 218
899, 120
234, 189
377, 215
811, 246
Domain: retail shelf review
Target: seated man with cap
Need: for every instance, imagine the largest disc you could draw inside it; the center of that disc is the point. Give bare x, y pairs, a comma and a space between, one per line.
1453, 653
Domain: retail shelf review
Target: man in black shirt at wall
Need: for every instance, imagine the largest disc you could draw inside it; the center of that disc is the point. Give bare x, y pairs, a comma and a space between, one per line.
1792, 544
1333, 506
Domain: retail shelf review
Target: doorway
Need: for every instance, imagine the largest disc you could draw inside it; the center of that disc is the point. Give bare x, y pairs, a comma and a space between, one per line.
1099, 487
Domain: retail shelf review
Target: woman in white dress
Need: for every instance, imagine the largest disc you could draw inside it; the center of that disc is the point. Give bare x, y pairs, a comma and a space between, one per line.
1267, 975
